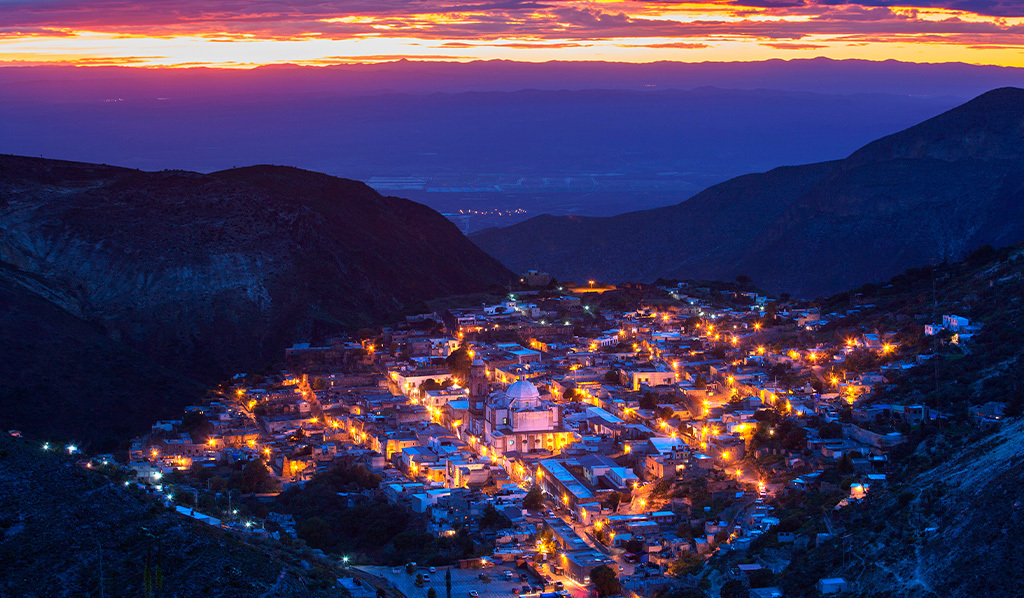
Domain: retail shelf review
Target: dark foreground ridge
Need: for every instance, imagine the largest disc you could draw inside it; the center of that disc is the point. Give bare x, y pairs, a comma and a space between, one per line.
67, 531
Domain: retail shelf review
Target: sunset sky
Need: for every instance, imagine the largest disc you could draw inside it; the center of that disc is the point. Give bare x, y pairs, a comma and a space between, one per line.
240, 33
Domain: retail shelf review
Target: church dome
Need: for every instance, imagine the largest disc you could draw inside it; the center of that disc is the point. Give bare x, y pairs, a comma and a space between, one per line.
523, 389
523, 395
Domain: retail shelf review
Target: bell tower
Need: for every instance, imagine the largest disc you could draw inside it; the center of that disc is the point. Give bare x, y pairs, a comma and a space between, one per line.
478, 391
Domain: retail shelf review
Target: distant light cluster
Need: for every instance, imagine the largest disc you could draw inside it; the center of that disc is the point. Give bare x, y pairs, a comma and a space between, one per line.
471, 212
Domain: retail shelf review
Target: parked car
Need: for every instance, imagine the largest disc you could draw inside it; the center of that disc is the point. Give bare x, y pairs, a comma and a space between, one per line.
474, 594
426, 579
433, 569
508, 575
559, 586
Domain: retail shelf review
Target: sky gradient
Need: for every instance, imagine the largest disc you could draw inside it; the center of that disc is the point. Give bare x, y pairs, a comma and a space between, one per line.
241, 33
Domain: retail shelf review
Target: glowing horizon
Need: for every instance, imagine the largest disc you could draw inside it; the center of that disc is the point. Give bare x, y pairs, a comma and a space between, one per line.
238, 34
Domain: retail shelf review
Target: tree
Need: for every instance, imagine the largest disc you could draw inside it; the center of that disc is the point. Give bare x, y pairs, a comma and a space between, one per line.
459, 363
409, 569
699, 383
570, 394
316, 532
612, 376
419, 580
254, 477
982, 255
768, 415
197, 426
845, 465
605, 581
831, 430
493, 518
613, 500
534, 499
381, 593
792, 436
431, 593
686, 564
734, 588
448, 583
649, 400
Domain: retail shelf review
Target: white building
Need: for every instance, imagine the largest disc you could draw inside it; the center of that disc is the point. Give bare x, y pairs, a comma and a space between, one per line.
519, 419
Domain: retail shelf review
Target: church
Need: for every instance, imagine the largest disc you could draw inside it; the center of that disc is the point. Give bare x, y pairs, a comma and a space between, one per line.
519, 419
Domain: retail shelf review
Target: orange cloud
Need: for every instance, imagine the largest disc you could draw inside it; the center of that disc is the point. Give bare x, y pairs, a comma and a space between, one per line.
242, 32
792, 46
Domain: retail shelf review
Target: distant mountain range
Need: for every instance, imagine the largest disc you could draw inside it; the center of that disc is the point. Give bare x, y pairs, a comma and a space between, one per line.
931, 192
120, 289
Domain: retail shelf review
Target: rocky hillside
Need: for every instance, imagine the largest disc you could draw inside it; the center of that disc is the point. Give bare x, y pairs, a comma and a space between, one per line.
931, 192
201, 274
65, 531
945, 521
950, 531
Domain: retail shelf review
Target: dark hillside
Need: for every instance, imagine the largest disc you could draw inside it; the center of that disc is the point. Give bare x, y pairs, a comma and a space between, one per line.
203, 275
65, 531
64, 378
944, 522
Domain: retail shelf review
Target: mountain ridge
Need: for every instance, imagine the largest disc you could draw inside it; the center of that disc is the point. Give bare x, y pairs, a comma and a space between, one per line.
892, 210
206, 275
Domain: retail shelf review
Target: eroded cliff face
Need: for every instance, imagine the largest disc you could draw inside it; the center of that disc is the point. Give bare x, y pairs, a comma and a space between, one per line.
218, 273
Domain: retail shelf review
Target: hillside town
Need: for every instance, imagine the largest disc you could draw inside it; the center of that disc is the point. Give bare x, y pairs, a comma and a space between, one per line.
585, 448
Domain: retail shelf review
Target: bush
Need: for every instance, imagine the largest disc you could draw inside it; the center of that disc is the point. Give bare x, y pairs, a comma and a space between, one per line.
686, 564
315, 532
605, 581
534, 499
